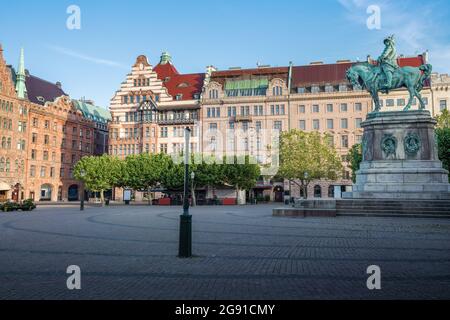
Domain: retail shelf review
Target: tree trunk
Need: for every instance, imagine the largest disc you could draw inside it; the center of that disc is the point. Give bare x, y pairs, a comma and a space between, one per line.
149, 196
102, 198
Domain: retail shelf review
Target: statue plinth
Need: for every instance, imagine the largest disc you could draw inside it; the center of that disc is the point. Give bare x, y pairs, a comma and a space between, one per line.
400, 158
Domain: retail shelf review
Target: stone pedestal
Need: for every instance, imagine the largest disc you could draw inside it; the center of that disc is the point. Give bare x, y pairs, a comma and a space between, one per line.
400, 159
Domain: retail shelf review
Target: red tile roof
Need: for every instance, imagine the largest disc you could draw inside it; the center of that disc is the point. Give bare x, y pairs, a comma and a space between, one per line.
335, 73
186, 84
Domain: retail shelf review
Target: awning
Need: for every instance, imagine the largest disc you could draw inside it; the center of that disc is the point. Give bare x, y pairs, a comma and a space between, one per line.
4, 186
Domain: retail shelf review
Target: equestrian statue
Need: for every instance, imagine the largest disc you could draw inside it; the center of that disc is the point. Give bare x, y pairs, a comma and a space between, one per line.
386, 75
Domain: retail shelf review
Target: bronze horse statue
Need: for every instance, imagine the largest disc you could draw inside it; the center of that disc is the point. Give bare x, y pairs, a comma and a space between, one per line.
370, 77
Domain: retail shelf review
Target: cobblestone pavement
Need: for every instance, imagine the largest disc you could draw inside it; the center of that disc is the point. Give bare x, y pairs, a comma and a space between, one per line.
241, 253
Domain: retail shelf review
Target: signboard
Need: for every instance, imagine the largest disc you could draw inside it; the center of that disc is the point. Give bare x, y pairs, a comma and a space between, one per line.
126, 195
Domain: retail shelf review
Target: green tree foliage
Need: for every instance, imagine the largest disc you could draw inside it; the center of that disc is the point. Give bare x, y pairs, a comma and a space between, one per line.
355, 157
443, 138
145, 171
242, 174
307, 156
99, 173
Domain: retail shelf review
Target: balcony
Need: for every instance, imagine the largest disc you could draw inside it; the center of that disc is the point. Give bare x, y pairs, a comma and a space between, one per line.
241, 118
176, 121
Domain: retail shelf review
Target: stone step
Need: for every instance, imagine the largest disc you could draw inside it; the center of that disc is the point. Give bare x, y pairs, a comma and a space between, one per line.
404, 215
401, 210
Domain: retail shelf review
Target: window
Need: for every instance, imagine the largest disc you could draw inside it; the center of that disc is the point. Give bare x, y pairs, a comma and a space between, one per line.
301, 90
330, 124
278, 125
52, 172
343, 88
358, 138
329, 88
425, 101
329, 108
35, 122
213, 126
358, 107
32, 171
46, 139
344, 141
45, 156
358, 122
343, 107
317, 191
22, 126
400, 102
277, 91
390, 102
316, 124
301, 109
344, 123
442, 105
302, 125
43, 172
47, 124
213, 94
315, 89
33, 154
258, 126
34, 138
245, 126
315, 108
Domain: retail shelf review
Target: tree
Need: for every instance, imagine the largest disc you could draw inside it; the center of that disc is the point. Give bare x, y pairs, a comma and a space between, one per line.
443, 120
307, 156
145, 171
242, 174
443, 138
355, 157
98, 173
207, 173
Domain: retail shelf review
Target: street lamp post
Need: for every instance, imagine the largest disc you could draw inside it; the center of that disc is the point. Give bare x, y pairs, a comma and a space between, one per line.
82, 174
185, 242
192, 189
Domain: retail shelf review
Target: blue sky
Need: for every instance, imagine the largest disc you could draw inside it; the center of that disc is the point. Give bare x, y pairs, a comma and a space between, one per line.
94, 60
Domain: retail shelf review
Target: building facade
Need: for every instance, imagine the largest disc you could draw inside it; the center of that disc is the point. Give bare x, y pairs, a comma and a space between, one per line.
151, 110
45, 133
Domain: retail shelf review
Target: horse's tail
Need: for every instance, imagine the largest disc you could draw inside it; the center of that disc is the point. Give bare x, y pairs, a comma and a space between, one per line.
426, 69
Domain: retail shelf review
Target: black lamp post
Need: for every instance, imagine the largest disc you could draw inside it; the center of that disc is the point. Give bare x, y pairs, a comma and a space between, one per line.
305, 188
82, 174
185, 242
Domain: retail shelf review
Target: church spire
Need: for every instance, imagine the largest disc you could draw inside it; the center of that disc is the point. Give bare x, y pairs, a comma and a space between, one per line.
21, 88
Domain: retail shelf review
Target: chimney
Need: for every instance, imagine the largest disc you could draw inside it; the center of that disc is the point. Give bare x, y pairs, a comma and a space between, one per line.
58, 84
343, 61
314, 63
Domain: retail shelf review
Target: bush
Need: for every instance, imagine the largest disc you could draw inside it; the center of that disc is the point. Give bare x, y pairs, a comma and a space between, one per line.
9, 206
28, 205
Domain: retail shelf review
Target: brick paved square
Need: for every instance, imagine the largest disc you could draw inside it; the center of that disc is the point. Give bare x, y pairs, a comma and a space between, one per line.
240, 252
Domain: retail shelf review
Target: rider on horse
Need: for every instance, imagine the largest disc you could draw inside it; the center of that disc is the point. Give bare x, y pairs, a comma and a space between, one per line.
388, 61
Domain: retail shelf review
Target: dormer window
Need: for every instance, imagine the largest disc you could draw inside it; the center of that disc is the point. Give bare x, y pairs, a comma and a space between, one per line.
315, 89
40, 99
166, 79
277, 91
183, 85
179, 96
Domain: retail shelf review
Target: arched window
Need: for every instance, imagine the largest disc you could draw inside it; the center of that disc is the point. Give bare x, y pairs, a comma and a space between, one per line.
3, 143
16, 163
8, 165
2, 164
317, 191
9, 143
331, 191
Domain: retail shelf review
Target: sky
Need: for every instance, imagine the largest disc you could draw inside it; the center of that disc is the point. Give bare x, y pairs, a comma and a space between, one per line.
93, 60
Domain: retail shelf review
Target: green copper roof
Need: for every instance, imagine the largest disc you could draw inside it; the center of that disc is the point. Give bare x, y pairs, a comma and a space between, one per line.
165, 58
261, 83
21, 88
97, 114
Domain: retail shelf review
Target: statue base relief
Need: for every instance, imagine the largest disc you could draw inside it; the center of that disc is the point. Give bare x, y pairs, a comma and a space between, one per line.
400, 159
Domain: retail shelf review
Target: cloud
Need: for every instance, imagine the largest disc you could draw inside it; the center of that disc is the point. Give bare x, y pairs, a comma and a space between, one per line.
417, 26
71, 53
